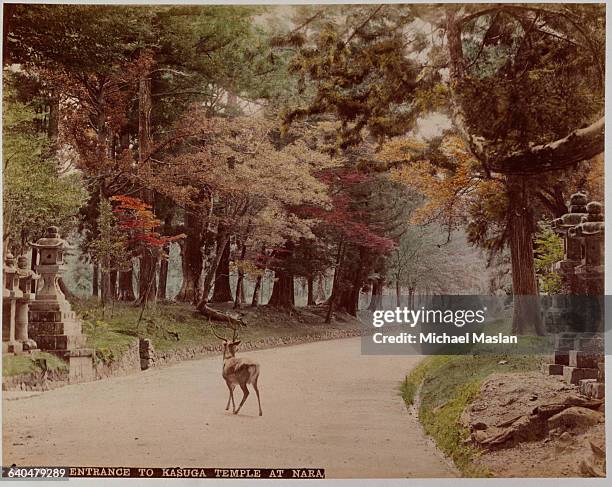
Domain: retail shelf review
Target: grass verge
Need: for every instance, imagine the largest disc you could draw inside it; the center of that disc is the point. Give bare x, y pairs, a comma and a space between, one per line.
174, 326
448, 384
25, 364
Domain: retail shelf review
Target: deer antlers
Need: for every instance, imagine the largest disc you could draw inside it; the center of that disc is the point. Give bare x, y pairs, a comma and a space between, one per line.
229, 324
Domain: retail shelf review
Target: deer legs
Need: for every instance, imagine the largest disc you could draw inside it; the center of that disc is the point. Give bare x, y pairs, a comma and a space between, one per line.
245, 394
257, 392
231, 398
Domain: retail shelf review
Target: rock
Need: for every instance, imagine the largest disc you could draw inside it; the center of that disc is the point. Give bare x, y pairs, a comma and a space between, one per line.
479, 436
478, 426
533, 397
565, 436
590, 470
502, 362
509, 401
575, 417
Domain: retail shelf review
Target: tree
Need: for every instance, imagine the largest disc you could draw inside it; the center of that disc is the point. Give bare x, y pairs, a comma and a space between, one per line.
548, 251
110, 249
523, 82
138, 223
31, 204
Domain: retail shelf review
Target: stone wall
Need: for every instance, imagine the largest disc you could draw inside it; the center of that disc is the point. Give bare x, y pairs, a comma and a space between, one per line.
127, 363
191, 353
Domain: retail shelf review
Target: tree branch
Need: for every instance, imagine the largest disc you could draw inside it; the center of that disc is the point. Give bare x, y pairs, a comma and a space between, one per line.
578, 146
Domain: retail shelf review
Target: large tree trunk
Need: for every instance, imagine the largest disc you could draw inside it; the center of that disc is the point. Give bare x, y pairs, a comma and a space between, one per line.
191, 259
126, 286
377, 294
147, 282
311, 298
147, 287
348, 299
203, 303
526, 317
222, 292
283, 294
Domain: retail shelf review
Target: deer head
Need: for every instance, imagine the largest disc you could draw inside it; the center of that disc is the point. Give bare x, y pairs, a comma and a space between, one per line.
229, 346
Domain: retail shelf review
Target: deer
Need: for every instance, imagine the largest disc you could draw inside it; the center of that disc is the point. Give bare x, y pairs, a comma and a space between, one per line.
238, 371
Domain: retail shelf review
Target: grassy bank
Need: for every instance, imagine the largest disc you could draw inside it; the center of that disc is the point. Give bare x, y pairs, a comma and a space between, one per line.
35, 362
173, 326
448, 384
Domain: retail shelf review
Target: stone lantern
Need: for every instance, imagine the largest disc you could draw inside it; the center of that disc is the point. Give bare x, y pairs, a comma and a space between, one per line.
26, 278
572, 245
556, 317
10, 294
591, 232
53, 324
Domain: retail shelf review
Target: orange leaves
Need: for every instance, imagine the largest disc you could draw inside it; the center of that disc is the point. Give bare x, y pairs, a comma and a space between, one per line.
450, 191
138, 221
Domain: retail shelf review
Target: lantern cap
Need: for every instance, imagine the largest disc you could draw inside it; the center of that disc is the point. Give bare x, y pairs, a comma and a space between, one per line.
51, 239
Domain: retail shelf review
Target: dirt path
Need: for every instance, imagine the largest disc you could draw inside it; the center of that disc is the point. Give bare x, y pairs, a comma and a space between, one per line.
325, 405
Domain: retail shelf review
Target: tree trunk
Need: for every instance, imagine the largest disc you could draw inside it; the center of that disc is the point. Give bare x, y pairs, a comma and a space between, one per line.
320, 297
311, 298
348, 299
256, 292
526, 317
147, 288
62, 285
191, 259
240, 283
147, 285
203, 303
398, 294
126, 286
283, 295
334, 291
377, 294
105, 289
54, 108
163, 279
112, 285
222, 292
95, 278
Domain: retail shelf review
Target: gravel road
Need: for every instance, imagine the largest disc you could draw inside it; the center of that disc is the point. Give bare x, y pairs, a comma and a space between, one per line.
324, 405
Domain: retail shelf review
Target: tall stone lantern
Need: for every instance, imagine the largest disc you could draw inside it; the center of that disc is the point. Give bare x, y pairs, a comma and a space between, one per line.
10, 295
577, 210
26, 278
53, 324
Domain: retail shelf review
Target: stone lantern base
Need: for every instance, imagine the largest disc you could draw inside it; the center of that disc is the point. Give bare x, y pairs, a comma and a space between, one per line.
55, 327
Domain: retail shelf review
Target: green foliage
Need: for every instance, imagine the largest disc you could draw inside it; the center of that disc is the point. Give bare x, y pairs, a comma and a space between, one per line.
109, 249
548, 251
526, 85
36, 193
